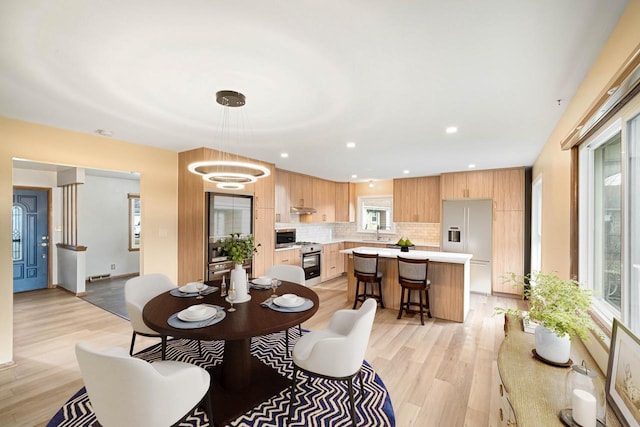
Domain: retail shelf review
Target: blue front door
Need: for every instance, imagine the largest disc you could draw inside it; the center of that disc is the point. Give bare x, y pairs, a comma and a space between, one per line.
30, 239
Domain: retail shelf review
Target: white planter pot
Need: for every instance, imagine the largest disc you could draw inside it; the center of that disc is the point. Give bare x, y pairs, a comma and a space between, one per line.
551, 347
239, 281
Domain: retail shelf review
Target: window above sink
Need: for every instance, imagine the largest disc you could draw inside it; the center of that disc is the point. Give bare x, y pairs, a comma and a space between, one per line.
375, 215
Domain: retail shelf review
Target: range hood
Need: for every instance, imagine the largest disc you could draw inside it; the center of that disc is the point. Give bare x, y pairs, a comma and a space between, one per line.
302, 210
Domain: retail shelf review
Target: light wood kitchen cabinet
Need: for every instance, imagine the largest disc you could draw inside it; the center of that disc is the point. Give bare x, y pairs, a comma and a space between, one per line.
324, 200
416, 199
300, 190
508, 241
192, 216
287, 256
467, 185
508, 189
332, 264
282, 202
345, 202
263, 226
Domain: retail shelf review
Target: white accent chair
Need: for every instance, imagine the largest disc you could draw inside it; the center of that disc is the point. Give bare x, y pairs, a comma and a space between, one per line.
125, 391
288, 273
336, 352
137, 292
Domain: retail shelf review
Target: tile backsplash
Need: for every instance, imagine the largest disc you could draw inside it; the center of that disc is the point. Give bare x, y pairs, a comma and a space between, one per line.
422, 233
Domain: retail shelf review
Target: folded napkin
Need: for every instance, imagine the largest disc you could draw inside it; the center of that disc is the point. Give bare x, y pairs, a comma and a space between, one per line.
268, 301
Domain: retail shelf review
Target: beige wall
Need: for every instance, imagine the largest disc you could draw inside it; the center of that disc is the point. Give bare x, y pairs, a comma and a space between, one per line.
158, 190
554, 164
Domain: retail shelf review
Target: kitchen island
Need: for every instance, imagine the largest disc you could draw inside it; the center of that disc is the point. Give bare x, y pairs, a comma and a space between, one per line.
448, 272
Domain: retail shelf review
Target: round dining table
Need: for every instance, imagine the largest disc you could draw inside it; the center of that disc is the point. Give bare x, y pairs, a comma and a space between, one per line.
242, 381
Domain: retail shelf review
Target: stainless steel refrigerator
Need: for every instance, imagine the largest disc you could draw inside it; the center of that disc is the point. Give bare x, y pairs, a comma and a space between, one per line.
466, 228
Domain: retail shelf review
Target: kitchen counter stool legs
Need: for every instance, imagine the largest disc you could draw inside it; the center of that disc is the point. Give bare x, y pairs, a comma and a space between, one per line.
412, 276
365, 270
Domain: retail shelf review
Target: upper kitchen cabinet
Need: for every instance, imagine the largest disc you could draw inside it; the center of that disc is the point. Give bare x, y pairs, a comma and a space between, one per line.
416, 199
345, 202
508, 189
283, 204
300, 190
467, 185
324, 201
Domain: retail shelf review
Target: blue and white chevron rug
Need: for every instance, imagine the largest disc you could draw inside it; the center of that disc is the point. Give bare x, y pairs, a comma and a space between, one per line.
322, 402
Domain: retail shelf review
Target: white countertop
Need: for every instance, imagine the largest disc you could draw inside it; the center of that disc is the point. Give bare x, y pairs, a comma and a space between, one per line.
450, 257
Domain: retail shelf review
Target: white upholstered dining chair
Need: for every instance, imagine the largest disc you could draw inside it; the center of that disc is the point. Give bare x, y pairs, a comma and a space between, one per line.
336, 352
137, 292
288, 273
126, 391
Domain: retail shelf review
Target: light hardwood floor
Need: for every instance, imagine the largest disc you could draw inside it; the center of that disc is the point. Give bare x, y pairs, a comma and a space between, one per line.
439, 374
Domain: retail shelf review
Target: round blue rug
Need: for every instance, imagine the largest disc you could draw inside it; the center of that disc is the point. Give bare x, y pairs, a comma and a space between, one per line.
319, 402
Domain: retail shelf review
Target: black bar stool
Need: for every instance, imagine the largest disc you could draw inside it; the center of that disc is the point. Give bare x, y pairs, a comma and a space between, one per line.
365, 270
412, 276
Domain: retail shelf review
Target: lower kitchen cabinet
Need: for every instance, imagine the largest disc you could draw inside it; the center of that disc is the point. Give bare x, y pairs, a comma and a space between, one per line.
287, 256
332, 264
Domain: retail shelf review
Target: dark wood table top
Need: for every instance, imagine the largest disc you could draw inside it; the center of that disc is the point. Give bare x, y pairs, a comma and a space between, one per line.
249, 320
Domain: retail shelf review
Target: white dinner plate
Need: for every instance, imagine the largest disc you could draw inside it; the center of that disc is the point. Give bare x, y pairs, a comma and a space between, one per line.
190, 288
186, 316
262, 281
289, 302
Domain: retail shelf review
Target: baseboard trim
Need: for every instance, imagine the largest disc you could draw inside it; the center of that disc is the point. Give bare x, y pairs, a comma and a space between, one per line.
8, 365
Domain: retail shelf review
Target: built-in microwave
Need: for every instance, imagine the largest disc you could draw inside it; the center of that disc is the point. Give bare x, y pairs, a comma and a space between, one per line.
285, 237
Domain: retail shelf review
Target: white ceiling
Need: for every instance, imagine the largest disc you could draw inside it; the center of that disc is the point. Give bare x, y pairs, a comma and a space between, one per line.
387, 75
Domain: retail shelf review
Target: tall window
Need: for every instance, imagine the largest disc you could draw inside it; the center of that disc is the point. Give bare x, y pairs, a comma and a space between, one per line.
610, 221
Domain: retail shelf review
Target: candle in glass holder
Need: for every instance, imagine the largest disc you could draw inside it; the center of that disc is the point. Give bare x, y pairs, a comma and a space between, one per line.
583, 406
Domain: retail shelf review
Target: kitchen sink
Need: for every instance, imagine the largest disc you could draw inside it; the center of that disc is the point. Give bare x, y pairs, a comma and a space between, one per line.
376, 240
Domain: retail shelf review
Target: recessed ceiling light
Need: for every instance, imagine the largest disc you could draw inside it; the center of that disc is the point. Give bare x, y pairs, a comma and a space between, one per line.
284, 155
104, 132
471, 166
406, 171
354, 176
351, 145
451, 129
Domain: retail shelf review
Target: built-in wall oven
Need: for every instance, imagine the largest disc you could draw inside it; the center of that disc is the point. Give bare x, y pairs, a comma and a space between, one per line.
311, 258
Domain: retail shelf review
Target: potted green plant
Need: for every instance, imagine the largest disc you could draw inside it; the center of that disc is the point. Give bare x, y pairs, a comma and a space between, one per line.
239, 248
560, 308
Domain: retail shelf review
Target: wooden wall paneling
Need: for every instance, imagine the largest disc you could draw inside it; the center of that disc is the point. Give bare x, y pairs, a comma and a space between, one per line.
191, 219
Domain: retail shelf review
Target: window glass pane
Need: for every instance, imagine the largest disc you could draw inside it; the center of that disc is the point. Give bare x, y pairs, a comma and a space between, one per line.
376, 214
633, 185
607, 221
16, 238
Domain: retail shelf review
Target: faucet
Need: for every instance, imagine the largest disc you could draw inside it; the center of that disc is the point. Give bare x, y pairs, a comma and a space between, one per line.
378, 232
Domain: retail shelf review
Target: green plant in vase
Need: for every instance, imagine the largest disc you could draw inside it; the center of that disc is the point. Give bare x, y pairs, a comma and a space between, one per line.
560, 306
239, 248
